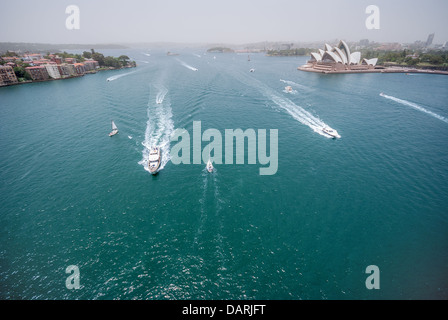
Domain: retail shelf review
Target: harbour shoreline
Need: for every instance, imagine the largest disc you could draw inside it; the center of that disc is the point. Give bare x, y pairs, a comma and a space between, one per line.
376, 70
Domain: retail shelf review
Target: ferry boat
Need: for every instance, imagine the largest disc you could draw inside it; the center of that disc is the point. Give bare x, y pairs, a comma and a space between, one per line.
154, 160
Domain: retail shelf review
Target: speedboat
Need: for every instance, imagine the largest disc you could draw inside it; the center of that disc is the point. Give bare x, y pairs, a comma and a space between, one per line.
209, 166
288, 89
154, 160
331, 132
252, 70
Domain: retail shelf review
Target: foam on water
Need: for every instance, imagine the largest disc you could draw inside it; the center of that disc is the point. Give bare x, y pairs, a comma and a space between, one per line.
297, 112
294, 84
159, 128
161, 94
120, 75
187, 65
415, 106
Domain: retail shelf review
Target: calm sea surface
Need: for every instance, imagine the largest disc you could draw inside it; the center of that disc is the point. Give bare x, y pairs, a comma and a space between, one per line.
71, 195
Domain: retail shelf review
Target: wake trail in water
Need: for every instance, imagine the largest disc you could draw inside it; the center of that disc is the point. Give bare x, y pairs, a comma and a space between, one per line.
203, 210
297, 112
415, 106
296, 85
214, 204
161, 94
187, 65
118, 76
159, 128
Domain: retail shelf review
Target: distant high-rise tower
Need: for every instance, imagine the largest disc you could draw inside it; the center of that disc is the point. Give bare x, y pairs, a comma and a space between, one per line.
429, 41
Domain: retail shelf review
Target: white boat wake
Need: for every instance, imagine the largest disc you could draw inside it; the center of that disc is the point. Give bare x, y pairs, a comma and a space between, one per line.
301, 115
159, 128
118, 76
161, 94
294, 84
211, 206
414, 106
187, 65
297, 112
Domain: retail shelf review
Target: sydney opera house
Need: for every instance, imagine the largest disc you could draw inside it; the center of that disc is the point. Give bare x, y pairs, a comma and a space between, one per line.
338, 59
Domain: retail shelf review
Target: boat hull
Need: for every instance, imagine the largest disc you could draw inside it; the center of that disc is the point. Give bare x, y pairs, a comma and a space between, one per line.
154, 170
113, 132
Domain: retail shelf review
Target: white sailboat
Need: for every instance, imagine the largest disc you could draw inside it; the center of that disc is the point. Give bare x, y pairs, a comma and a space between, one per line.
114, 129
209, 166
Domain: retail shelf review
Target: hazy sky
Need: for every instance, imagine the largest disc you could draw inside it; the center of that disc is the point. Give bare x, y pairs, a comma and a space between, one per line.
230, 21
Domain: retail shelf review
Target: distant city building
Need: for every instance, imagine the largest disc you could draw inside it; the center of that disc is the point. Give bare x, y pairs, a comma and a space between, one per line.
34, 56
10, 59
429, 40
53, 71
364, 42
56, 59
37, 73
70, 60
7, 76
337, 59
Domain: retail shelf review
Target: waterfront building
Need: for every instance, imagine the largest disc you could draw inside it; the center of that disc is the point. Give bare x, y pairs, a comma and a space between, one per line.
7, 76
53, 71
91, 65
66, 70
79, 68
37, 73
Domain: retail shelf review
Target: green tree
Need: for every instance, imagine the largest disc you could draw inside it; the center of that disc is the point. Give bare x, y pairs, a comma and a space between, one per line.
123, 59
87, 55
112, 62
98, 57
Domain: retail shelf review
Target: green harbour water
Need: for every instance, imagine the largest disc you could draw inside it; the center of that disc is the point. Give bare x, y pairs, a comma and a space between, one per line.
72, 195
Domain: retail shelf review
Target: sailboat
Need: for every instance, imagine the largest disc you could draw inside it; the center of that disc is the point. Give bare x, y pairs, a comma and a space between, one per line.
114, 129
209, 166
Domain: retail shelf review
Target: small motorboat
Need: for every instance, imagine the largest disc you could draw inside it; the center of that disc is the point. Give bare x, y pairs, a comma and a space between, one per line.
154, 160
331, 132
209, 166
252, 70
114, 129
288, 89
